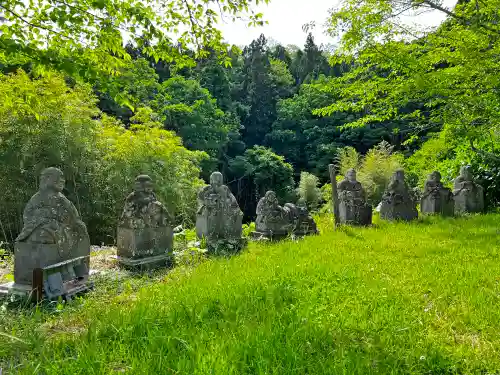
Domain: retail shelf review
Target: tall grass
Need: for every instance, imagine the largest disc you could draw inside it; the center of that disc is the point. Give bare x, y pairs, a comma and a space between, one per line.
419, 298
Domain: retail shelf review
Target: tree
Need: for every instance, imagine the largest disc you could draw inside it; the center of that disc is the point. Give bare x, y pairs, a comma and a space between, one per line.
189, 110
44, 123
451, 70
257, 171
86, 39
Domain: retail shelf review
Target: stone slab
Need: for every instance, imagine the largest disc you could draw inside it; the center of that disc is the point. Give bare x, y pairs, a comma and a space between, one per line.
167, 259
144, 243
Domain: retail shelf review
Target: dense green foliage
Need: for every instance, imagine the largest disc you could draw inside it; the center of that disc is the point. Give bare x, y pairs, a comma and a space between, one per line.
263, 116
356, 301
45, 123
441, 80
86, 38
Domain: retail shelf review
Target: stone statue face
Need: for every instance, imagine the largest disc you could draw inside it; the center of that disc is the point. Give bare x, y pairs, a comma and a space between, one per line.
271, 197
399, 175
435, 176
144, 186
52, 179
351, 175
216, 180
466, 173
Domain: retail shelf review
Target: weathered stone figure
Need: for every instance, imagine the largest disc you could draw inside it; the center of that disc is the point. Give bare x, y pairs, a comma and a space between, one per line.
145, 234
469, 196
219, 218
353, 208
273, 221
276, 222
436, 199
53, 231
304, 222
397, 202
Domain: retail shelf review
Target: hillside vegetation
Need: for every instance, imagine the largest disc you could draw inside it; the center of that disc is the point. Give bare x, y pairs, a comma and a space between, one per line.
392, 299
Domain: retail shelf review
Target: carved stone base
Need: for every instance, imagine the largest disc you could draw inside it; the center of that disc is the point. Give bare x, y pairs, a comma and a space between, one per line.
430, 206
355, 215
404, 212
157, 261
145, 248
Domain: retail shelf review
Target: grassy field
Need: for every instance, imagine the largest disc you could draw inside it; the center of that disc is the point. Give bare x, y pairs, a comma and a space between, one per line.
422, 298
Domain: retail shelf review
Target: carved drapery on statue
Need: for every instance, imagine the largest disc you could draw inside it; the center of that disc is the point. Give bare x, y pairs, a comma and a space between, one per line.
276, 222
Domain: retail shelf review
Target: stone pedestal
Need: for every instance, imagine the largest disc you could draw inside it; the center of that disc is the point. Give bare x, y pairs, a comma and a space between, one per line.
437, 206
405, 212
469, 201
355, 215
146, 247
29, 255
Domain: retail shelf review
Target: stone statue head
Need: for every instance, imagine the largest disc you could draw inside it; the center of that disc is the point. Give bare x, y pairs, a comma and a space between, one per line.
435, 176
351, 175
143, 184
271, 197
216, 180
52, 179
301, 203
399, 175
466, 172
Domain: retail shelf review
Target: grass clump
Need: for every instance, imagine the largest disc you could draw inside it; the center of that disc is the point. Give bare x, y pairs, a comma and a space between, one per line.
394, 299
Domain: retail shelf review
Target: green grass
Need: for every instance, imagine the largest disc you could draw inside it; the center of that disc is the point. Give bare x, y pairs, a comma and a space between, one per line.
422, 298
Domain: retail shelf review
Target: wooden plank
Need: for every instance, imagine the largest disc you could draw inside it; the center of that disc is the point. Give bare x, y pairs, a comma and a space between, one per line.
37, 285
335, 195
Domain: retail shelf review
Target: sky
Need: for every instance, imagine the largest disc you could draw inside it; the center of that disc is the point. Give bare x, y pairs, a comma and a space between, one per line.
286, 18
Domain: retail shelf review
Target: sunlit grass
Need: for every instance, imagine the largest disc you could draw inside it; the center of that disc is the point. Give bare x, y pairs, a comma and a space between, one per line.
397, 298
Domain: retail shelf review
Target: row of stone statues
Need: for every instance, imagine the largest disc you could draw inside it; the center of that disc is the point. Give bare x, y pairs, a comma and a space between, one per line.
54, 234
398, 202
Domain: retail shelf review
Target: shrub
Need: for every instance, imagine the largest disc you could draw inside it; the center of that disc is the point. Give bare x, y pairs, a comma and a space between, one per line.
45, 123
374, 170
308, 190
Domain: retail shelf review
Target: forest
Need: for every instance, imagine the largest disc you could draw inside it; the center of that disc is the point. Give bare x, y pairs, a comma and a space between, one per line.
76, 94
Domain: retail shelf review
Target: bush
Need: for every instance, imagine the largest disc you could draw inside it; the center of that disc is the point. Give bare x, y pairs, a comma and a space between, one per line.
308, 190
45, 123
374, 170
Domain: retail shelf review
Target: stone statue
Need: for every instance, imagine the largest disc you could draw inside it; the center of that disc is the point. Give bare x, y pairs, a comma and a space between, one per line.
436, 199
145, 234
397, 202
53, 231
469, 196
304, 222
353, 208
219, 218
273, 221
